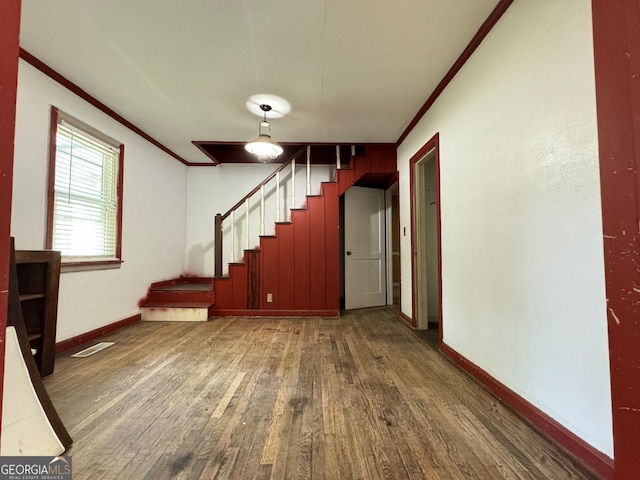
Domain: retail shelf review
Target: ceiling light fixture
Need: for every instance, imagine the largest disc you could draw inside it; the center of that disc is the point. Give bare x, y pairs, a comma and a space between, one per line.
263, 146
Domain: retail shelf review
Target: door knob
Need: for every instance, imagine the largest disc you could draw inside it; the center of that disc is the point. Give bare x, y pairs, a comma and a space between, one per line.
348, 252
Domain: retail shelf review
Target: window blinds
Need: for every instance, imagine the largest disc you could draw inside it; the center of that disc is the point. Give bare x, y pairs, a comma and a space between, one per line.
85, 213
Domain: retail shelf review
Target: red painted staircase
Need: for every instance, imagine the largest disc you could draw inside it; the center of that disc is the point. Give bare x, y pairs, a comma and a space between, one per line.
296, 271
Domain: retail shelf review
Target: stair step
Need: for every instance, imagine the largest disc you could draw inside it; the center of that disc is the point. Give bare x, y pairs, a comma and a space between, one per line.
177, 304
179, 295
175, 311
182, 282
185, 287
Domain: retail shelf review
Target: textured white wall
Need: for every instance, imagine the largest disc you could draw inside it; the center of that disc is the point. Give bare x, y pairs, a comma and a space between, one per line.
522, 253
212, 190
154, 206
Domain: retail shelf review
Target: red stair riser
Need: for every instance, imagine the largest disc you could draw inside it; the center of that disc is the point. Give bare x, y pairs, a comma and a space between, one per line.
180, 296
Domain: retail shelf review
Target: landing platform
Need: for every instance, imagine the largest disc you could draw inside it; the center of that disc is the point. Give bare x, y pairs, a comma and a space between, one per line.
190, 287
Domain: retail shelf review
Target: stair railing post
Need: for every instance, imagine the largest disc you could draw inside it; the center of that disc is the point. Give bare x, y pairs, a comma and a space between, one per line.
246, 221
278, 197
217, 247
232, 257
338, 157
262, 210
308, 169
293, 184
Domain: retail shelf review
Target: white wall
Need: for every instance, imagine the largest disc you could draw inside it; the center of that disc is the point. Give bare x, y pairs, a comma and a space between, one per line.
154, 207
212, 190
522, 252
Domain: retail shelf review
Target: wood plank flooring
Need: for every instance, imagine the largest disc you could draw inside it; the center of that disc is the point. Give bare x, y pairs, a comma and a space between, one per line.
360, 397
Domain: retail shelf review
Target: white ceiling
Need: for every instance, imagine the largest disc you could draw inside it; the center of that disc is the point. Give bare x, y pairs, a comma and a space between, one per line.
354, 71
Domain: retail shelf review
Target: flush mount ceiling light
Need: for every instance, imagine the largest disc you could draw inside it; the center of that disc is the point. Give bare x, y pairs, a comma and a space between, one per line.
263, 146
280, 107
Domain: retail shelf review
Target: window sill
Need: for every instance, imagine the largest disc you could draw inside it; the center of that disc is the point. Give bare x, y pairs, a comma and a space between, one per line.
86, 266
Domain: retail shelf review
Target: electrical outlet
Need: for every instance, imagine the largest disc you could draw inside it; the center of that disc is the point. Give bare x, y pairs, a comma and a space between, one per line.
269, 297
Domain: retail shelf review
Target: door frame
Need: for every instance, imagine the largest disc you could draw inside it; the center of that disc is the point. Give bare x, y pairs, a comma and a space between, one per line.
422, 155
388, 199
381, 196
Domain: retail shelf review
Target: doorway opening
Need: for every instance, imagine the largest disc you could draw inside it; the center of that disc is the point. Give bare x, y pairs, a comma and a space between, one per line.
369, 223
364, 242
393, 245
426, 239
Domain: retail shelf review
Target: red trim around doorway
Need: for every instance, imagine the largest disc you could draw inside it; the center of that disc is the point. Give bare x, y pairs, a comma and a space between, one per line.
432, 144
410, 321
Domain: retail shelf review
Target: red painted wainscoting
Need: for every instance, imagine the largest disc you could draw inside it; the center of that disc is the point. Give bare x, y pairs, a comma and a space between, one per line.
284, 290
299, 266
317, 248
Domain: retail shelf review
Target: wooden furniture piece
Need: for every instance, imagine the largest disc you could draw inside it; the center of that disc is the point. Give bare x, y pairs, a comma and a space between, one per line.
38, 277
15, 321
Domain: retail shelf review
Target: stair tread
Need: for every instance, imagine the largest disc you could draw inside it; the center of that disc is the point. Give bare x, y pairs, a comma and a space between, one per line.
184, 287
176, 304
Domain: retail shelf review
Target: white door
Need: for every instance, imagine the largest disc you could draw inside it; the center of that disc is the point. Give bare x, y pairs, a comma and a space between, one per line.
364, 247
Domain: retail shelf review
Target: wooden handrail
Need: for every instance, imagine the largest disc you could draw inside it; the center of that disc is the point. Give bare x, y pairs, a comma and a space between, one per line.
263, 183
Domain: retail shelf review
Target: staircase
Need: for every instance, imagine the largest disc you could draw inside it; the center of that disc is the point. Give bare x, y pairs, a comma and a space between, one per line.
293, 272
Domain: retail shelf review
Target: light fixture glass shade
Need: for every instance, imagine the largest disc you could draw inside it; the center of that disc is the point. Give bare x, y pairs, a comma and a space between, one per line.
264, 147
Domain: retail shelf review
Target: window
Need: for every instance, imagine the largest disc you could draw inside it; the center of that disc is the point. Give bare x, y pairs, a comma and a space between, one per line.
85, 193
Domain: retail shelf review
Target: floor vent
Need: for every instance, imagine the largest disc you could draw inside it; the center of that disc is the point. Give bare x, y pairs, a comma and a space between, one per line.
91, 350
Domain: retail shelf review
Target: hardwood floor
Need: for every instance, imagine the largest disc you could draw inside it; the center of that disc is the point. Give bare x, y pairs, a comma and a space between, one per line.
360, 397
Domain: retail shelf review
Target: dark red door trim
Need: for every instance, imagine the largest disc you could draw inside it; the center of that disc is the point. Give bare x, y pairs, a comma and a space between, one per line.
419, 155
9, 35
617, 70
